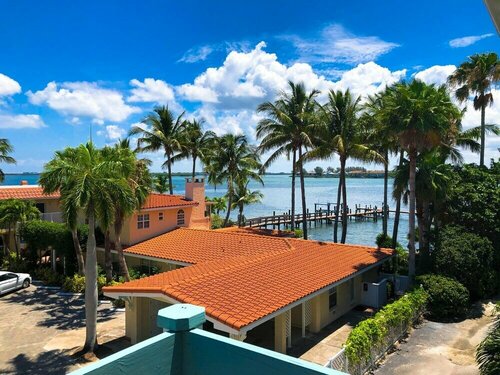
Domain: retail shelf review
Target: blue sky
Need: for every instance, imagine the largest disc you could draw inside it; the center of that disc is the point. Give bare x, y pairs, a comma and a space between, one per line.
68, 67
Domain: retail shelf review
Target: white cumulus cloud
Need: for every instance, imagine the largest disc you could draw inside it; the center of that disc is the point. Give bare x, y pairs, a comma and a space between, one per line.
112, 132
10, 121
8, 86
151, 90
336, 44
196, 54
437, 74
86, 99
466, 41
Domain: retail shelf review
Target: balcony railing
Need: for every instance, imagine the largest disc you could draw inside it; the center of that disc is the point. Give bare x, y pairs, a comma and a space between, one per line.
55, 217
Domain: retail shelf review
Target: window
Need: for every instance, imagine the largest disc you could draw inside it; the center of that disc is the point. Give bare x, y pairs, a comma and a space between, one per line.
40, 207
332, 298
142, 221
180, 217
160, 216
8, 276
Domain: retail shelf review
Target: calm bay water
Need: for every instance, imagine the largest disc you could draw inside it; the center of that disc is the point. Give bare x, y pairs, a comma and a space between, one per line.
276, 190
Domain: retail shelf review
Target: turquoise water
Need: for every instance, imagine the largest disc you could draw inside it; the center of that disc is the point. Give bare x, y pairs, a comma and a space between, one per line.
276, 190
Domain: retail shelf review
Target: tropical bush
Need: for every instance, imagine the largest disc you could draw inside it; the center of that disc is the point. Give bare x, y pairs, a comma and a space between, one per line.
448, 299
76, 284
138, 272
383, 240
119, 303
14, 263
467, 258
47, 276
488, 351
374, 331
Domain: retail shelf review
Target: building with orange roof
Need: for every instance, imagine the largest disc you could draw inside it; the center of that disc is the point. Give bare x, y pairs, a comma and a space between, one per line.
246, 280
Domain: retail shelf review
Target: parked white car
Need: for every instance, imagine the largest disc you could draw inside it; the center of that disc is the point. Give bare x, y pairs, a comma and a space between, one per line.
10, 281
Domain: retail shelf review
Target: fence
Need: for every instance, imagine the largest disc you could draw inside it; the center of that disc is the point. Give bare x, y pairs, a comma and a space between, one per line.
340, 361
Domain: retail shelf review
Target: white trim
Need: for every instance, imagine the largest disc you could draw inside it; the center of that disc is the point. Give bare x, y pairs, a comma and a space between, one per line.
166, 208
217, 324
161, 260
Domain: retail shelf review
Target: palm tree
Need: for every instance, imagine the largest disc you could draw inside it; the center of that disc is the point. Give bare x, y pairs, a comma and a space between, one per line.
476, 76
15, 212
88, 183
342, 134
383, 141
244, 197
136, 173
218, 204
235, 161
487, 351
5, 149
287, 130
196, 143
160, 183
421, 116
163, 132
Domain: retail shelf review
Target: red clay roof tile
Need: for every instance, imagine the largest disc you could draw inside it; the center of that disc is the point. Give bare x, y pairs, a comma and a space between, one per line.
155, 200
25, 192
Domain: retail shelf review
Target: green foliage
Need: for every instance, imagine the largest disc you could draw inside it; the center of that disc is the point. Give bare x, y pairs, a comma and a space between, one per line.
13, 263
218, 222
467, 258
318, 171
373, 331
76, 284
119, 303
299, 233
47, 276
138, 272
488, 351
448, 299
474, 201
383, 240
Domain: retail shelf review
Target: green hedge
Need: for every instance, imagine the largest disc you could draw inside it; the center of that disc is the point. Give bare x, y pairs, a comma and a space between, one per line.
448, 299
373, 331
76, 284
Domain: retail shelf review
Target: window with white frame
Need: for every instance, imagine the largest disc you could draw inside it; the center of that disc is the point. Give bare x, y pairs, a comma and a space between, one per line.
180, 217
143, 221
160, 216
332, 298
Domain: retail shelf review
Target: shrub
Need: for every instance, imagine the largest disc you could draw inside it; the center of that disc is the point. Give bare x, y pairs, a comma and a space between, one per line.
75, 284
448, 299
13, 263
47, 276
467, 258
374, 331
383, 240
488, 351
299, 233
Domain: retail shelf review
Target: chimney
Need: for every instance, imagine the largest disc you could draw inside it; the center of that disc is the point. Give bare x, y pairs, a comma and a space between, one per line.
24, 182
195, 191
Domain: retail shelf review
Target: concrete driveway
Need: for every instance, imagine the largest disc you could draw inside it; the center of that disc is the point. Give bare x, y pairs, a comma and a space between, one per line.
440, 348
41, 330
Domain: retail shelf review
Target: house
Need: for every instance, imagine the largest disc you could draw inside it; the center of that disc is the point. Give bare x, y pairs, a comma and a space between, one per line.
48, 205
184, 349
251, 285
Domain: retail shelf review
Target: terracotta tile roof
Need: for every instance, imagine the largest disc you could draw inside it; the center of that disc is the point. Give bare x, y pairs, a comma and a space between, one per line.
155, 200
260, 231
198, 245
25, 192
229, 288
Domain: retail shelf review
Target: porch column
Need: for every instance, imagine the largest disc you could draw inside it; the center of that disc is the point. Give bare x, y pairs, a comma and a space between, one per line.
303, 306
132, 319
316, 314
280, 333
238, 336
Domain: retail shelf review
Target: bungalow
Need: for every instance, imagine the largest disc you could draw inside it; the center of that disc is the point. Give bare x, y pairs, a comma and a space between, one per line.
247, 280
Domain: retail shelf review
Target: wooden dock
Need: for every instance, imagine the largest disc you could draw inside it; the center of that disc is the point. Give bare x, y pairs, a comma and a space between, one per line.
319, 216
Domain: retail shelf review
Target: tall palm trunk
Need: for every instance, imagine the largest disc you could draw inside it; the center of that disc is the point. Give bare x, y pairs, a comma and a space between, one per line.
398, 209
240, 214
229, 201
294, 162
483, 114
108, 260
78, 251
344, 201
411, 221
91, 287
386, 182
122, 264
169, 170
337, 211
303, 195
194, 167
